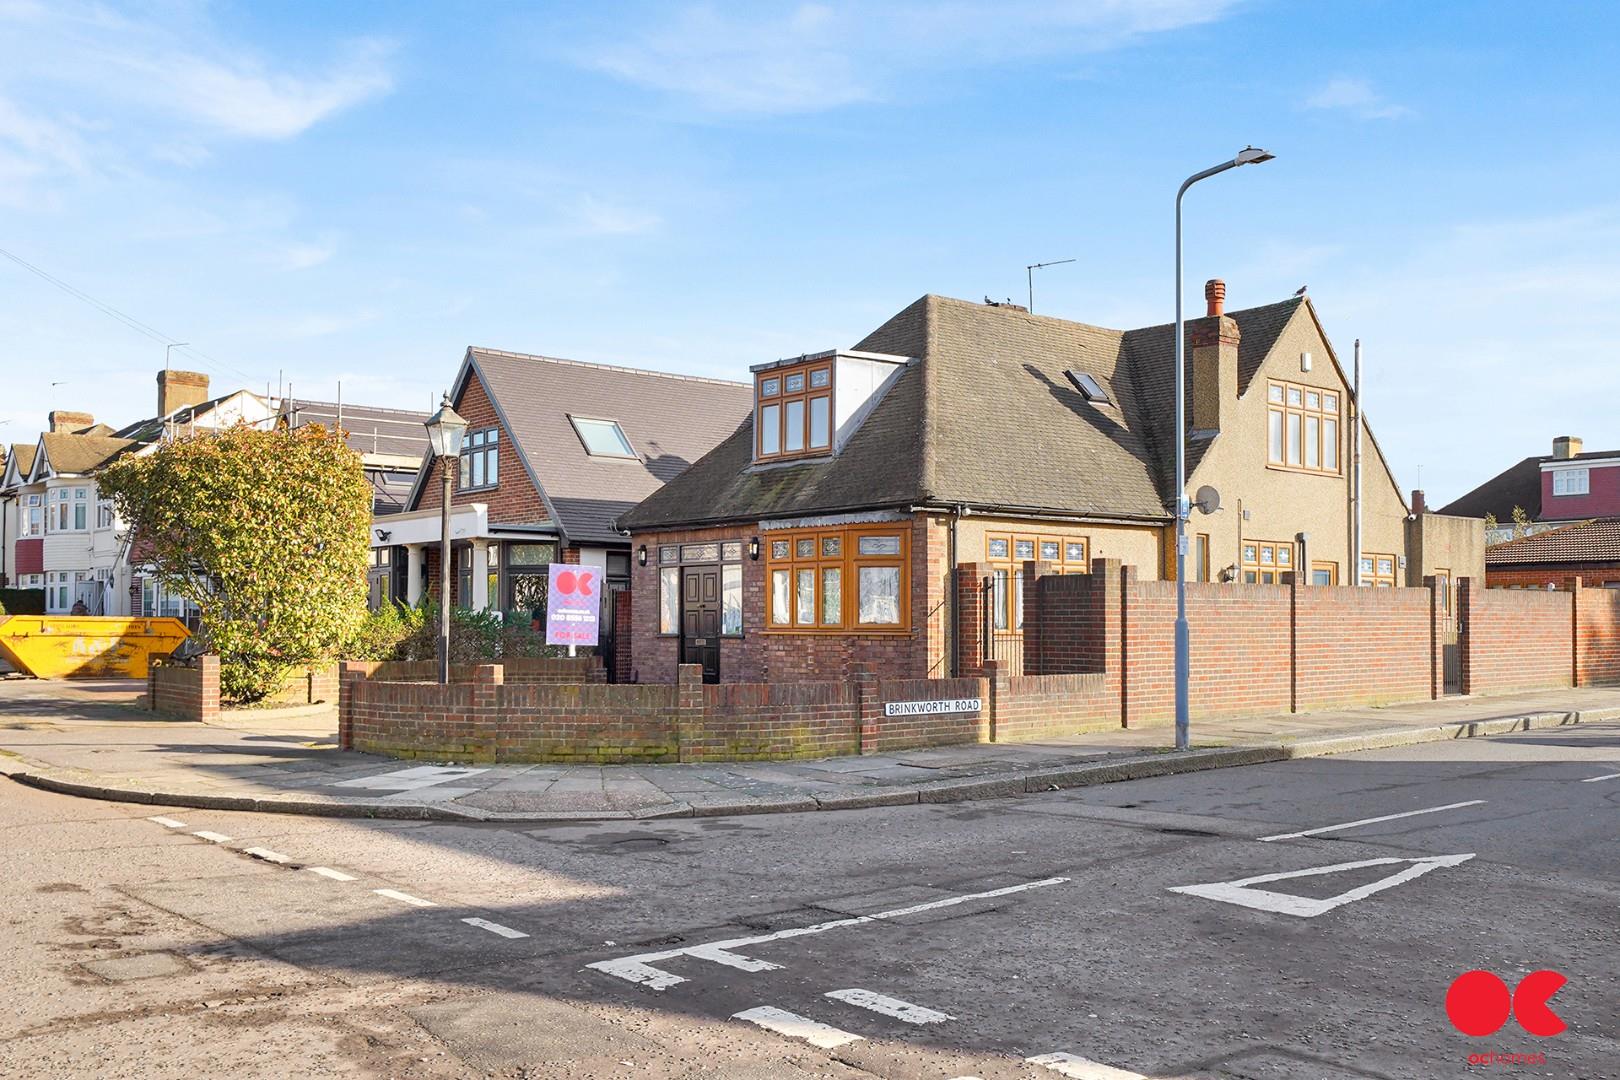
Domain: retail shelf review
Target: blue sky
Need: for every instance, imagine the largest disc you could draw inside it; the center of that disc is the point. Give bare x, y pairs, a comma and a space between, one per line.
355, 192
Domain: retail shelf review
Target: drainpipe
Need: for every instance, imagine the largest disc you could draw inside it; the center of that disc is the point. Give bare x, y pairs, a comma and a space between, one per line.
1355, 473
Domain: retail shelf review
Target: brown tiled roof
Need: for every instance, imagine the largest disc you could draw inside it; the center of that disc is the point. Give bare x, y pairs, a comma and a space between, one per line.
985, 416
81, 454
1517, 485
670, 420
23, 455
1597, 540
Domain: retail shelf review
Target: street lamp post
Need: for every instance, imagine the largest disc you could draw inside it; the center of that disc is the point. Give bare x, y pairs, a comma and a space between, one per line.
1249, 155
445, 431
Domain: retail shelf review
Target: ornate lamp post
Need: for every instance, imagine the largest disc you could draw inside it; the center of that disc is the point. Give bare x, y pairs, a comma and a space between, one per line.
445, 431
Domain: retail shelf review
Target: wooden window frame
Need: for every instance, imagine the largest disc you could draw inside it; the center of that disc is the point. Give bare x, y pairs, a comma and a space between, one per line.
848, 562
782, 397
1007, 605
1375, 578
1325, 564
1279, 403
1266, 573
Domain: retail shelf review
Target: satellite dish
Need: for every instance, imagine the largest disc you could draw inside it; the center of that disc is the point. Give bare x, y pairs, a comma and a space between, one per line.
1208, 499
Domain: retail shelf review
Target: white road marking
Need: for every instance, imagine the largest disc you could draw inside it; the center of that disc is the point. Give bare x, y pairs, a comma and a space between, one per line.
796, 1027
267, 855
1241, 893
495, 928
888, 1006
639, 969
404, 897
1588, 780
168, 822
211, 837
1370, 821
327, 871
1078, 1068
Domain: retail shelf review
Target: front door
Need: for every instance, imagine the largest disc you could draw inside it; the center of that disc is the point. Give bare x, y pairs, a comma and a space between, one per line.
700, 619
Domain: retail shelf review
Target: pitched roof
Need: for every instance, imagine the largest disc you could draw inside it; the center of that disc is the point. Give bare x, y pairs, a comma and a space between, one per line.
1517, 485
983, 415
1597, 540
22, 458
80, 454
395, 432
670, 421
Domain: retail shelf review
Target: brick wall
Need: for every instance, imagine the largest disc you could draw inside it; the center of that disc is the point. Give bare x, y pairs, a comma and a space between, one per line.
1597, 636
774, 721
184, 693
884, 734
515, 500
1030, 707
1513, 640
1552, 575
1362, 647
518, 669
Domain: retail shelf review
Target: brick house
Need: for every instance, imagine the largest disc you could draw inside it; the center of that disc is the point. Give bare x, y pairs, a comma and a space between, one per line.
1551, 559
826, 530
1568, 485
555, 451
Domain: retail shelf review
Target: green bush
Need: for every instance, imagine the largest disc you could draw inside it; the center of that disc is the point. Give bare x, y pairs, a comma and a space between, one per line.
383, 634
476, 637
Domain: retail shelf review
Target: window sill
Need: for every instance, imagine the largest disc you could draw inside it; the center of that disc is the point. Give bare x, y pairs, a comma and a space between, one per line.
840, 631
1304, 470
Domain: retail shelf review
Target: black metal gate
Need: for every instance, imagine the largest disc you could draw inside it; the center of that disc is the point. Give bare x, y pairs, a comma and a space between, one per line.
607, 640
1002, 643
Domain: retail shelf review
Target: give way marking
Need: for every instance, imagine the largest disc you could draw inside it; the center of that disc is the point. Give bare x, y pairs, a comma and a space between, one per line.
1370, 821
1242, 892
639, 969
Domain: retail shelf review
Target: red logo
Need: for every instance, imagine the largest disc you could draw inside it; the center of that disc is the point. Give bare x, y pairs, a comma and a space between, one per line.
570, 582
1478, 1003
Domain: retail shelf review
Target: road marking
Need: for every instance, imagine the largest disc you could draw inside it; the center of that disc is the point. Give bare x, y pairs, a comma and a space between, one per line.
639, 969
168, 822
1588, 780
267, 855
796, 1027
1307, 907
888, 1006
1370, 821
1078, 1068
495, 928
327, 871
211, 837
404, 897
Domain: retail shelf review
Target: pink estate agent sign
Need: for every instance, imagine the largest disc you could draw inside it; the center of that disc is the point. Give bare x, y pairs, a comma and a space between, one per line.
573, 604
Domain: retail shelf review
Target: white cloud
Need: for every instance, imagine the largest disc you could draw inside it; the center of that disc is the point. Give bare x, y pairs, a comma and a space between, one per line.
811, 56
303, 256
1357, 97
594, 217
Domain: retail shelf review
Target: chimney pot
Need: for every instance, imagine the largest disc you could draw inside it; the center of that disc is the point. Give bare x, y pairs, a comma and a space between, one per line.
1420, 505
1566, 446
1215, 294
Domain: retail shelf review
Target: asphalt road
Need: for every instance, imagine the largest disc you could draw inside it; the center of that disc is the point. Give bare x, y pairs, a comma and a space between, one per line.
924, 941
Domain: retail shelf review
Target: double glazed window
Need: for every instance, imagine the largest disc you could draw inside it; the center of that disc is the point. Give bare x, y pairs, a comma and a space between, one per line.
1008, 552
1302, 428
1266, 561
1571, 482
34, 523
481, 459
793, 411
1378, 570
602, 438
70, 509
853, 579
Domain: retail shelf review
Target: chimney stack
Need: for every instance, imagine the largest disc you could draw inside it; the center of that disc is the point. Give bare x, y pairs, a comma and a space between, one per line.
1420, 505
69, 423
1566, 447
1214, 361
179, 389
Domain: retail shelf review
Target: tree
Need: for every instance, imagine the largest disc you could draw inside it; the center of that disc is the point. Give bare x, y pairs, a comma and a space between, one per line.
265, 531
1521, 522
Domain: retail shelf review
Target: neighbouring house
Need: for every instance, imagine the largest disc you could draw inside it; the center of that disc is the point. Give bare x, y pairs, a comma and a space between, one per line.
1552, 559
1571, 484
555, 451
391, 444
825, 531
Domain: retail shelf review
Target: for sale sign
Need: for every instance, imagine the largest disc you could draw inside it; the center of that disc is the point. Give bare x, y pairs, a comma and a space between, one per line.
573, 605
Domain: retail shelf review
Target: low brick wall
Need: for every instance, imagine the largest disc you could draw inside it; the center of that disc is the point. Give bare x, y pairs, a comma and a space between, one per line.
307, 687
1512, 639
884, 733
1027, 708
519, 669
1597, 628
184, 692
774, 721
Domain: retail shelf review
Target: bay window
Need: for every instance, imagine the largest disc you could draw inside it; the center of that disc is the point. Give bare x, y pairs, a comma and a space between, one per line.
808, 572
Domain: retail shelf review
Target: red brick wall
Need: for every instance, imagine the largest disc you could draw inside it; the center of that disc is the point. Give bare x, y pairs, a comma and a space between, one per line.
1556, 575
1597, 641
1361, 647
775, 721
888, 733
185, 693
515, 500
518, 669
1512, 640
1028, 707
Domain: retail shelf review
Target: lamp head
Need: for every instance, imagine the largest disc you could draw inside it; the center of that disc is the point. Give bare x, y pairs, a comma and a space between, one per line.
1252, 155
445, 430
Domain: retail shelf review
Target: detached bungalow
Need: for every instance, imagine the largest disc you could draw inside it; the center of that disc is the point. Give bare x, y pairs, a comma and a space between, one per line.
825, 530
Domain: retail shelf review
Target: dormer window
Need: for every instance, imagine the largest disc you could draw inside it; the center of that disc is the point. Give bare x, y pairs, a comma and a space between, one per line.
793, 410
602, 438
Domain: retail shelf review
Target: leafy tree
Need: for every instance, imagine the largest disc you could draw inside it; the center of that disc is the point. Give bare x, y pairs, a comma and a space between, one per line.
265, 531
1521, 522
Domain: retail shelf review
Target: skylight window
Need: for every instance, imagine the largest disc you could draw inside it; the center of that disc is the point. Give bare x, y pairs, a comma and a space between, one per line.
1089, 386
602, 438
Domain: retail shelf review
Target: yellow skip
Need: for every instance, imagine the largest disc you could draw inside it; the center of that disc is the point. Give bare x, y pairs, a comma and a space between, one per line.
87, 646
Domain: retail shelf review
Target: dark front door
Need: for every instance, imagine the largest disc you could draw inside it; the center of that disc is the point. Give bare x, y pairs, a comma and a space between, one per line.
700, 619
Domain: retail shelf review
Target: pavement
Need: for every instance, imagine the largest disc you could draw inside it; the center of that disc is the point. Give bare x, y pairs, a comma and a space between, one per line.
86, 738
1298, 920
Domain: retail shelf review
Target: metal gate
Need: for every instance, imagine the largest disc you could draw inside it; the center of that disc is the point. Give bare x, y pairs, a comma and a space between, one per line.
1450, 656
1003, 644
607, 642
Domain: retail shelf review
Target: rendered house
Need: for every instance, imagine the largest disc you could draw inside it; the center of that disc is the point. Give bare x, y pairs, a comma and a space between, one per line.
825, 530
555, 451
